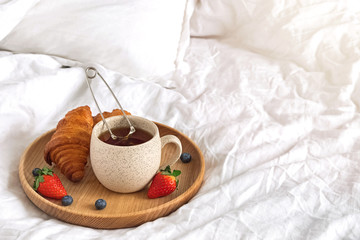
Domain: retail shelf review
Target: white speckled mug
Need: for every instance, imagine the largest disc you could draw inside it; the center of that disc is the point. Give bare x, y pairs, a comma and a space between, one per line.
127, 169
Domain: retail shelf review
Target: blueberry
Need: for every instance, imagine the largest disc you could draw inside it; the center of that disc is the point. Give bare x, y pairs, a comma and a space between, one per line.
185, 157
36, 171
67, 200
100, 204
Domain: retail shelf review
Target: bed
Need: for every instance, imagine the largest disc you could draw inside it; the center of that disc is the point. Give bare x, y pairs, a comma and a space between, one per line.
268, 90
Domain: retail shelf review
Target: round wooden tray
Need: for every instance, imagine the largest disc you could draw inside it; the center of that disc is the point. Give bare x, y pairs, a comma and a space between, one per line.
122, 210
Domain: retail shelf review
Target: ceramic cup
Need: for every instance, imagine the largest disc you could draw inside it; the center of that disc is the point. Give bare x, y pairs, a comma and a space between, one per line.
127, 169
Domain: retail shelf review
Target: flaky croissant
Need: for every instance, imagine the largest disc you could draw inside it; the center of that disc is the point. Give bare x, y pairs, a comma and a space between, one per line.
69, 146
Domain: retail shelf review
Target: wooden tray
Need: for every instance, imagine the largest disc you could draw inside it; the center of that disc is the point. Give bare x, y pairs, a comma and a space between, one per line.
122, 210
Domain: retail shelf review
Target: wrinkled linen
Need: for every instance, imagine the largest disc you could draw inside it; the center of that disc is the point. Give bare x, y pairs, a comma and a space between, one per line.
279, 133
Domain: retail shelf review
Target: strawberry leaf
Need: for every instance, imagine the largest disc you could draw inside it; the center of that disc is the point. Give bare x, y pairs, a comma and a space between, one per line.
40, 178
37, 182
166, 170
176, 173
46, 171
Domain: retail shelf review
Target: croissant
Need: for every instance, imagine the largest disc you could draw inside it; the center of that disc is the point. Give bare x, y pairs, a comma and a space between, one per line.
115, 112
69, 146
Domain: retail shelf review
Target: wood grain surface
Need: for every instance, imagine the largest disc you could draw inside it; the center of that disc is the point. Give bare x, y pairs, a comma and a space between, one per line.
122, 210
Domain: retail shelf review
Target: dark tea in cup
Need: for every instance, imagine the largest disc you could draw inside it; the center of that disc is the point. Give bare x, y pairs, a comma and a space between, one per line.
138, 137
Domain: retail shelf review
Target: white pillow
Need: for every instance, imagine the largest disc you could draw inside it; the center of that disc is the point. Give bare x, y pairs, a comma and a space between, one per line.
12, 12
217, 18
139, 38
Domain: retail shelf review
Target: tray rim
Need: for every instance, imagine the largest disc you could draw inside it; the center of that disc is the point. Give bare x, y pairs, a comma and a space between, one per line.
42, 202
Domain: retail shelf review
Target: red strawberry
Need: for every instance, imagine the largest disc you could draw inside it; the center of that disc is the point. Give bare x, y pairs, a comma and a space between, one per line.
163, 183
48, 184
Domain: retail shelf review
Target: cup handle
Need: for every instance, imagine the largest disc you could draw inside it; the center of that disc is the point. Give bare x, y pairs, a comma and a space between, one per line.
171, 139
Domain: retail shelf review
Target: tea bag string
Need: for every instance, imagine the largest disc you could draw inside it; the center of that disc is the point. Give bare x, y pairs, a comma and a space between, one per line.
91, 73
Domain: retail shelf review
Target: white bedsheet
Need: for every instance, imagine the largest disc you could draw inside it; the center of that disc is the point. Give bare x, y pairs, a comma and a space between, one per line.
279, 126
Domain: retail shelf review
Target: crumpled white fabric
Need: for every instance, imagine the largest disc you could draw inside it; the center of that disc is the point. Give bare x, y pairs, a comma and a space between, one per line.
278, 126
